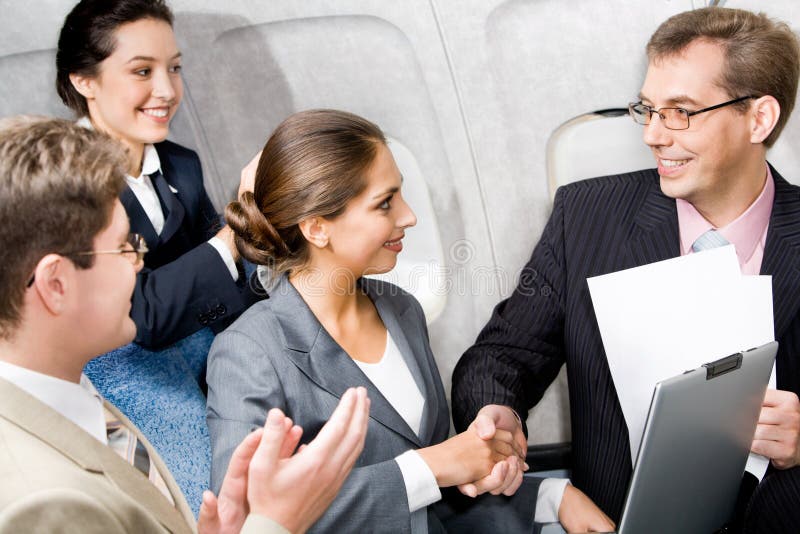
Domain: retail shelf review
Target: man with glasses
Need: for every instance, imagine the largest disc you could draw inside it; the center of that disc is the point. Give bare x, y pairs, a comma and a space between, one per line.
71, 462
720, 86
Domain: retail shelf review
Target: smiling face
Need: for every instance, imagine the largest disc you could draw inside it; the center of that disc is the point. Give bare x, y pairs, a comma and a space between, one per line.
715, 161
367, 237
138, 87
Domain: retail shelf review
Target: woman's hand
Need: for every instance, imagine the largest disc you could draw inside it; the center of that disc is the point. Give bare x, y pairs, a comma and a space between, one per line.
247, 179
466, 457
226, 235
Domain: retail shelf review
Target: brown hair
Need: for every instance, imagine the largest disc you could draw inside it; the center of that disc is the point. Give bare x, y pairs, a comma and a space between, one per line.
88, 37
762, 56
312, 166
58, 183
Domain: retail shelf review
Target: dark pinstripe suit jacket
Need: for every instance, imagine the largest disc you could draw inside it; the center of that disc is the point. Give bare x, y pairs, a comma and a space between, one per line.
600, 226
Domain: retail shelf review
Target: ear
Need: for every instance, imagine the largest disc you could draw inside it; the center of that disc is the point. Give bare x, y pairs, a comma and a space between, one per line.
315, 230
765, 114
52, 282
83, 84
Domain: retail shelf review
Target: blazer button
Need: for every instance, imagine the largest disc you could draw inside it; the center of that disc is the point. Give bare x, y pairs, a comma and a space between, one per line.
203, 319
212, 316
221, 310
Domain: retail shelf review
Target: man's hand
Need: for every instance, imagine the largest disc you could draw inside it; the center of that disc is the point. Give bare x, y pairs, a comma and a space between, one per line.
577, 513
778, 432
247, 180
226, 514
506, 476
295, 491
467, 457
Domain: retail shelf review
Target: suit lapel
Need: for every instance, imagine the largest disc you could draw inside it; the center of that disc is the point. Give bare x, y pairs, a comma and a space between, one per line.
140, 222
782, 253
399, 323
163, 470
654, 236
175, 210
74, 443
324, 362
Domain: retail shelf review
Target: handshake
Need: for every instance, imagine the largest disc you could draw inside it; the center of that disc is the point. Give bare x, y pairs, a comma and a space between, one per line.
269, 482
487, 457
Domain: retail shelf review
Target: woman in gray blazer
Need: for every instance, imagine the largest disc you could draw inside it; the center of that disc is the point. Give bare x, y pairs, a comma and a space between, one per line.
327, 209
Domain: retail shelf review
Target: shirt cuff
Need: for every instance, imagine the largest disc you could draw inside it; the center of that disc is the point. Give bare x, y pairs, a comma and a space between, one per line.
226, 255
261, 524
421, 486
551, 491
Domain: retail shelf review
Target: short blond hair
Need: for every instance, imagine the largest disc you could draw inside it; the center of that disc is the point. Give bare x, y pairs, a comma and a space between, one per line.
58, 183
762, 55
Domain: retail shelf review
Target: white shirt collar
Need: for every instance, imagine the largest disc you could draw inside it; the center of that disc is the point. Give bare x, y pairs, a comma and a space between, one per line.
80, 403
150, 160
151, 163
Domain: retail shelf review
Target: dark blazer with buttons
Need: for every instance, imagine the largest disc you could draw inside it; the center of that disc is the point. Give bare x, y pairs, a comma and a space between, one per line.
278, 355
184, 285
600, 226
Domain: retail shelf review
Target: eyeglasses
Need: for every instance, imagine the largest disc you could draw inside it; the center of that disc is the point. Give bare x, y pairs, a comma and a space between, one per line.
672, 118
138, 248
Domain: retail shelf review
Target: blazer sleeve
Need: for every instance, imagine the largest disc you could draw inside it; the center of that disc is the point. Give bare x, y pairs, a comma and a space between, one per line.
242, 386
185, 295
520, 350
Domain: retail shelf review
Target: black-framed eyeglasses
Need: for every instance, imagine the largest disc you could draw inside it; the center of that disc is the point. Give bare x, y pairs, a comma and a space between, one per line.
673, 118
135, 248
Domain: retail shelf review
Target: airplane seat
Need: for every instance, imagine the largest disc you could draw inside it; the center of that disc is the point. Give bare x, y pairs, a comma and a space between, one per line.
28, 83
593, 144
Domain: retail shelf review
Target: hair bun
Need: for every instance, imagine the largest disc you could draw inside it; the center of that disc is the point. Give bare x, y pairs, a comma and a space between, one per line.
257, 240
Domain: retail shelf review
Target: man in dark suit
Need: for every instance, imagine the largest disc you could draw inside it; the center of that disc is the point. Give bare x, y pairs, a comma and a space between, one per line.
71, 462
720, 85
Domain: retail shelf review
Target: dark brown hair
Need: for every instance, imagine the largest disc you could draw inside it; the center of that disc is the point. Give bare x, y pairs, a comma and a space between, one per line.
58, 184
88, 37
762, 56
312, 166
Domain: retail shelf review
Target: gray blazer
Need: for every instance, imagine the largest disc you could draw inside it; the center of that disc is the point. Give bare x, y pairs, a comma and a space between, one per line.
277, 354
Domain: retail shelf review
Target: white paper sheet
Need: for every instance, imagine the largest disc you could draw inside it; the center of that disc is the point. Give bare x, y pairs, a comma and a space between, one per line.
661, 319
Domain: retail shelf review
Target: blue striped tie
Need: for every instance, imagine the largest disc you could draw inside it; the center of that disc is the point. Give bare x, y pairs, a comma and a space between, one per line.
710, 239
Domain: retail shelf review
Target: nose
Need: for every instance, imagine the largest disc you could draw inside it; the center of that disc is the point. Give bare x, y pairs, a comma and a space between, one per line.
407, 218
656, 134
164, 86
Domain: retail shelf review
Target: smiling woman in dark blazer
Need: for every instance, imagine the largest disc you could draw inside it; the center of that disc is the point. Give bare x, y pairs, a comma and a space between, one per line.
327, 209
118, 67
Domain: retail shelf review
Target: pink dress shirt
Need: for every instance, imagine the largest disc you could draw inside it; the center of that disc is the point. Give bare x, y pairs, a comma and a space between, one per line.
748, 232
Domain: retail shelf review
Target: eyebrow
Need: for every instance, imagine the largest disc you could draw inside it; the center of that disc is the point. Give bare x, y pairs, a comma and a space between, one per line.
150, 58
391, 190
675, 100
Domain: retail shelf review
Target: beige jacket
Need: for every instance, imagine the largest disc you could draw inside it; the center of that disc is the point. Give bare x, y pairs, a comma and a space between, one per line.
55, 477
